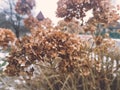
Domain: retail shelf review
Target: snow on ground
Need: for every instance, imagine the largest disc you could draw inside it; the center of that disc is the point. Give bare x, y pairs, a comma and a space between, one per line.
117, 42
3, 55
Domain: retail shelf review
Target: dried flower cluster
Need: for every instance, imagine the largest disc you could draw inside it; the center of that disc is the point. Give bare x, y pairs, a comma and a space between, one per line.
64, 59
24, 6
102, 10
47, 46
46, 23
7, 37
103, 44
74, 8
31, 22
65, 52
72, 27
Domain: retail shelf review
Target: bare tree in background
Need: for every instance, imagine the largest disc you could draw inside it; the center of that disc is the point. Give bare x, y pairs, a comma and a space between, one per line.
13, 12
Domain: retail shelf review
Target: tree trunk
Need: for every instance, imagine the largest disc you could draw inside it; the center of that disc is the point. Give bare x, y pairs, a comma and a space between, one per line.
17, 33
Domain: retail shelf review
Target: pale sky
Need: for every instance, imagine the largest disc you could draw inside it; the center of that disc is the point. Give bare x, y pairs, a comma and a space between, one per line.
48, 8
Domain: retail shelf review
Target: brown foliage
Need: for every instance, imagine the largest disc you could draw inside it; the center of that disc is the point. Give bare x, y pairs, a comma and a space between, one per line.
31, 22
62, 53
65, 60
72, 27
7, 37
102, 10
24, 6
46, 46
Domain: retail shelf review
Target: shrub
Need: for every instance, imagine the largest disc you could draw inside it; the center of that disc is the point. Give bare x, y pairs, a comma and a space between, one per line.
56, 60
51, 59
7, 37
